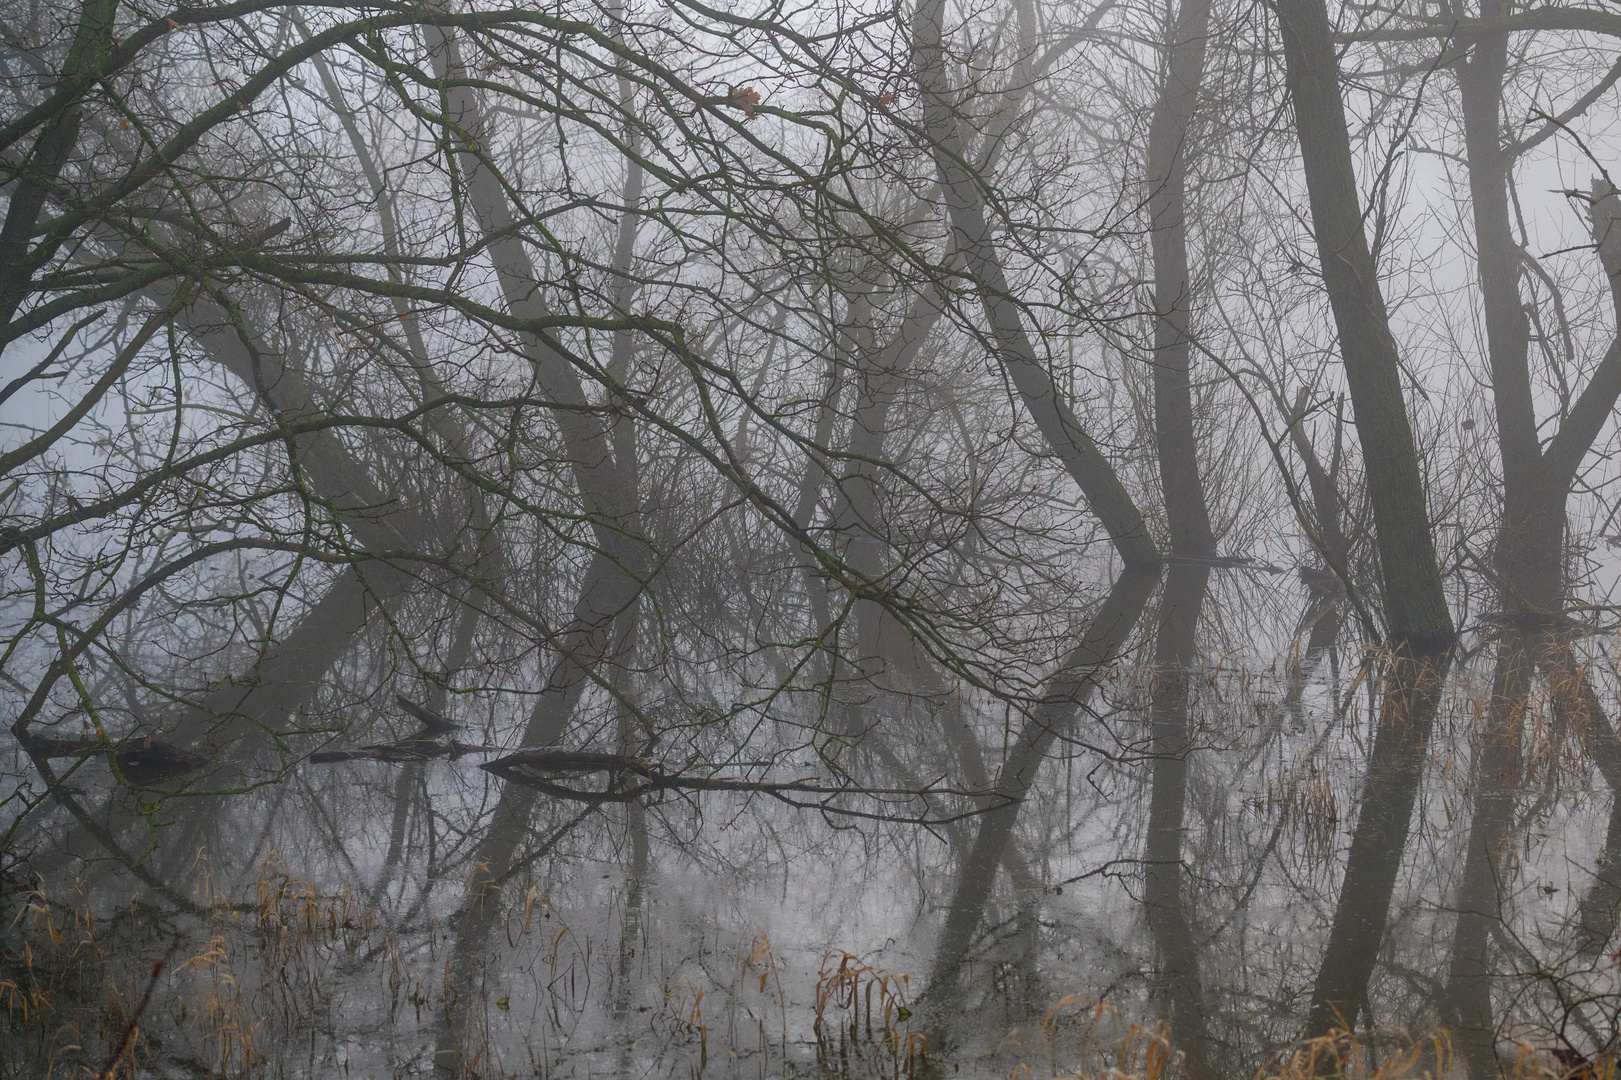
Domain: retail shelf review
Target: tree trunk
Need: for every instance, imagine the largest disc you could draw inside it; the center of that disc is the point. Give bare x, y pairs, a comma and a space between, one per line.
1415, 607
1176, 651
605, 610
1066, 690
1416, 615
971, 238
1496, 781
1163, 894
1063, 699
1530, 547
1528, 557
290, 673
34, 178
1169, 132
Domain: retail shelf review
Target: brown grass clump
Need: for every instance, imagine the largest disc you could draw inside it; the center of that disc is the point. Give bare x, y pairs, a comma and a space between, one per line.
849, 994
1340, 1054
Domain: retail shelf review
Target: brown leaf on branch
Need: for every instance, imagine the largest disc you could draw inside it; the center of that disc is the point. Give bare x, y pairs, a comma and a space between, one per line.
745, 98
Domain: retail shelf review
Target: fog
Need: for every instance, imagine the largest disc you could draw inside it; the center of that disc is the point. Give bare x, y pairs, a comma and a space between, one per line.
752, 540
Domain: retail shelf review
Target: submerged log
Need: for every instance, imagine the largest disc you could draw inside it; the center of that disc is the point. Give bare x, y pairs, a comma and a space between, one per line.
413, 749
143, 760
430, 742
572, 761
147, 759
539, 769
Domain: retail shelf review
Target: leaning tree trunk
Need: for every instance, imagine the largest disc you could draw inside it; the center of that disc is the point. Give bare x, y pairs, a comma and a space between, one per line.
260, 703
1066, 691
605, 608
1415, 609
1063, 697
971, 239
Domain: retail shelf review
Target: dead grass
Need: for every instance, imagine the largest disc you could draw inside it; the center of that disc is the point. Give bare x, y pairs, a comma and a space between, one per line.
259, 990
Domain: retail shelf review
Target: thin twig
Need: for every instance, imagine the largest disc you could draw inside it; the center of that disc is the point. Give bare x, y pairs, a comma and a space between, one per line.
124, 1041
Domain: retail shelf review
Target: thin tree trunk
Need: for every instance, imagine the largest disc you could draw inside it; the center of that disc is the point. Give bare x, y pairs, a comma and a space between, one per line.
1325, 587
1174, 434
453, 433
1176, 650
32, 181
1063, 698
858, 512
889, 661
971, 238
607, 487
1415, 607
602, 489
630, 933
814, 479
1416, 615
1324, 619
1163, 889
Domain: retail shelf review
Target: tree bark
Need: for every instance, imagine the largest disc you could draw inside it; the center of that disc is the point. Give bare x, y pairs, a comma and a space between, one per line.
1415, 609
1063, 698
34, 178
972, 240
1188, 517
1529, 556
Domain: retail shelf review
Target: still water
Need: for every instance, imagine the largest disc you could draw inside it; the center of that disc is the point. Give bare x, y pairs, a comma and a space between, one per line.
321, 921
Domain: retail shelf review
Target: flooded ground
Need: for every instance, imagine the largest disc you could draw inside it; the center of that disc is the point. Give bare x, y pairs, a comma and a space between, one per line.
320, 924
